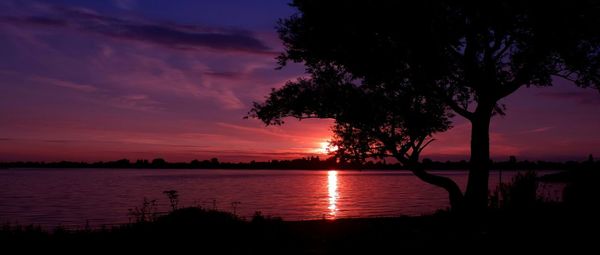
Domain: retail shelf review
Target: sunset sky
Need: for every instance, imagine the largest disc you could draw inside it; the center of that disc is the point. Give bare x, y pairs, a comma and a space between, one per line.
104, 80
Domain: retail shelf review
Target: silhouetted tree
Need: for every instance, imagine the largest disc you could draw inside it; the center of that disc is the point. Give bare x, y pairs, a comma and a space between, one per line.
195, 163
512, 160
369, 121
214, 162
142, 163
122, 163
466, 54
159, 162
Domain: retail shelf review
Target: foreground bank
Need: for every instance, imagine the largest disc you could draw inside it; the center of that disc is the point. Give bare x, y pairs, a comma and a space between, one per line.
546, 227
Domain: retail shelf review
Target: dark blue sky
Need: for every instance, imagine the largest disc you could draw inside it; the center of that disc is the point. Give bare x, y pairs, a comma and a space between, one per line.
100, 80
251, 15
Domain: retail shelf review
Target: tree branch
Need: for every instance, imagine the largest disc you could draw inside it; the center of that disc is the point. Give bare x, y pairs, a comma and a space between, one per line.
507, 90
412, 163
454, 192
507, 46
516, 83
566, 77
456, 108
425, 145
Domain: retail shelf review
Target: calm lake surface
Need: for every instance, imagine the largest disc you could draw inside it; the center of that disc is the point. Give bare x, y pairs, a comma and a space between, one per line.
72, 197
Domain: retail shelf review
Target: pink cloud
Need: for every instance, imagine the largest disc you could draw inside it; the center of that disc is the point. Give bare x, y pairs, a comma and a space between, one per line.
537, 130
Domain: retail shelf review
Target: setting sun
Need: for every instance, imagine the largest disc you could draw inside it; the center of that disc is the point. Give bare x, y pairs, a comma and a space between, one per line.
325, 148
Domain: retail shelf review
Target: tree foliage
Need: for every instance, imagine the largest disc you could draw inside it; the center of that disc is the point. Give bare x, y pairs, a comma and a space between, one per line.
371, 120
464, 50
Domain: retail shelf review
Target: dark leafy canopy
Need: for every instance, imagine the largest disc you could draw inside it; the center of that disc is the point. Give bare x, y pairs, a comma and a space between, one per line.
467, 52
371, 120
373, 63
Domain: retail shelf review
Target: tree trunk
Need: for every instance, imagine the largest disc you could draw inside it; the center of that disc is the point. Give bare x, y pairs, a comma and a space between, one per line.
476, 195
454, 193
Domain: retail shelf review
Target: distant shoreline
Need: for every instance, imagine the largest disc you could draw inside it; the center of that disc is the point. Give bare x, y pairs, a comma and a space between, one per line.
258, 169
311, 163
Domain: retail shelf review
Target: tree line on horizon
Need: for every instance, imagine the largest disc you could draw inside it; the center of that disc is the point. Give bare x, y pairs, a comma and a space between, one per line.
306, 163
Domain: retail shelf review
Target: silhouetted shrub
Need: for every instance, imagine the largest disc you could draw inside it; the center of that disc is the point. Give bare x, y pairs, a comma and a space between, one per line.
146, 213
173, 198
520, 193
258, 218
582, 190
197, 216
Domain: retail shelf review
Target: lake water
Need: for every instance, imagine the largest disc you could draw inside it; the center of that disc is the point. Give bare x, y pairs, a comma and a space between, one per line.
74, 197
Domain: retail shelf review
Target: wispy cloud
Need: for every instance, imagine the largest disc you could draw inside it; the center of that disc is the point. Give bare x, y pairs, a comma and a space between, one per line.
586, 97
56, 141
254, 130
537, 130
65, 84
139, 102
171, 35
125, 4
229, 100
157, 77
122, 141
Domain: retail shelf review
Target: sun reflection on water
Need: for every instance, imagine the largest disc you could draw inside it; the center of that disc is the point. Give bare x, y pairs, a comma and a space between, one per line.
332, 187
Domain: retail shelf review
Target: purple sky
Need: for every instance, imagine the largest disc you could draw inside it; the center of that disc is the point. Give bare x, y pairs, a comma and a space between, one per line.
103, 80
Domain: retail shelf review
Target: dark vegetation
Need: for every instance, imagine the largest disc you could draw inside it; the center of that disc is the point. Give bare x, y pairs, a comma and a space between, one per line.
310, 163
213, 232
521, 222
